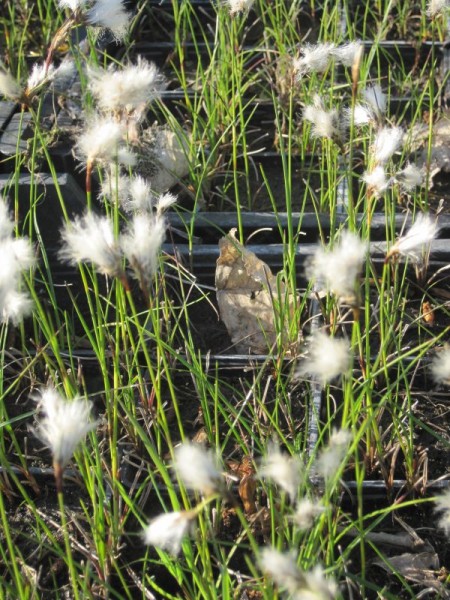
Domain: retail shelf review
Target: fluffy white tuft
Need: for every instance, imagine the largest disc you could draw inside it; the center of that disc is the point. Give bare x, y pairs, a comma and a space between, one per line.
327, 358
362, 115
197, 468
440, 366
141, 244
410, 177
331, 458
64, 426
315, 59
91, 239
436, 7
282, 568
168, 530
16, 256
377, 181
286, 471
317, 586
347, 53
100, 141
325, 123
237, 6
72, 5
387, 141
127, 89
9, 88
339, 269
376, 98
306, 512
40, 74
301, 585
109, 14
417, 240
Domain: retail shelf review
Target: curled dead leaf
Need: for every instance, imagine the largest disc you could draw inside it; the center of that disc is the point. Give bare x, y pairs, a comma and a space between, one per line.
253, 303
427, 311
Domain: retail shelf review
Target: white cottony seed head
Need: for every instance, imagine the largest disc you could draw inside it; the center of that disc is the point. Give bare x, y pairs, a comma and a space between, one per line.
126, 89
436, 7
440, 366
376, 98
362, 115
315, 59
340, 268
417, 240
141, 243
410, 177
16, 256
387, 141
165, 201
9, 88
109, 14
326, 359
347, 53
198, 468
282, 568
306, 513
168, 530
100, 141
39, 75
286, 471
237, 6
141, 195
325, 123
91, 239
6, 223
332, 457
301, 585
14, 305
317, 586
376, 180
73, 5
64, 425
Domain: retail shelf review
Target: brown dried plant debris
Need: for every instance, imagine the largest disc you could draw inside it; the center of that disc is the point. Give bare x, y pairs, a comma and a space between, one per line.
253, 303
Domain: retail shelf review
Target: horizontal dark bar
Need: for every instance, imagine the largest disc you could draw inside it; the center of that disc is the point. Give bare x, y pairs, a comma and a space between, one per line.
216, 223
371, 488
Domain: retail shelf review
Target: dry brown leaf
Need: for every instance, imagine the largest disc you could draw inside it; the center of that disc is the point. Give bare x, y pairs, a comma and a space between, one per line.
421, 568
245, 470
247, 492
249, 295
427, 311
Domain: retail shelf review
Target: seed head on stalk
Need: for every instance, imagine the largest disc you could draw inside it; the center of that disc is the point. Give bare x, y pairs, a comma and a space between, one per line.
90, 238
168, 530
239, 6
141, 243
286, 471
102, 141
437, 7
440, 365
340, 267
416, 242
376, 181
301, 585
376, 98
327, 358
198, 469
64, 426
